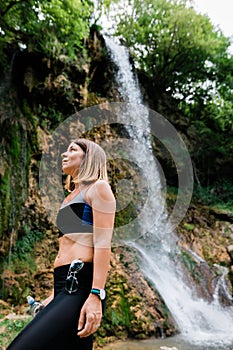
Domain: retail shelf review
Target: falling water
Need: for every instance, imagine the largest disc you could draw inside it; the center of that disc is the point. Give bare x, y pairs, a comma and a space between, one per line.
221, 285
199, 321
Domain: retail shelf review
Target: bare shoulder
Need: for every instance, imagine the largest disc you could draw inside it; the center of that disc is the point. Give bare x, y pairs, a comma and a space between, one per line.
102, 190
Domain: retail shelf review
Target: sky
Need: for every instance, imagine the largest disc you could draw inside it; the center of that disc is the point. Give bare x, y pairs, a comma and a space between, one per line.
220, 13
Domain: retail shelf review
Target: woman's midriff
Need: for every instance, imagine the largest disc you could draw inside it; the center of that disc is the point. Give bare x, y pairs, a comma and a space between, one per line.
74, 246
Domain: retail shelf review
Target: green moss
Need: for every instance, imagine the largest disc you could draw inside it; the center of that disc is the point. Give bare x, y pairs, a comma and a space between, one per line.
5, 203
187, 260
121, 315
20, 267
14, 179
218, 196
189, 227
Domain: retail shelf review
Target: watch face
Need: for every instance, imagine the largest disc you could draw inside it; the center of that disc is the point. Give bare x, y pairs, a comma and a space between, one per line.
102, 294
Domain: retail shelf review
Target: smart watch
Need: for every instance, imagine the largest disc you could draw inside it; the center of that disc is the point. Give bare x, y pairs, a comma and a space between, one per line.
99, 292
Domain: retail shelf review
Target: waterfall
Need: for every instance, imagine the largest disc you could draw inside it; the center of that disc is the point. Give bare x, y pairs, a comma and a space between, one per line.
221, 286
199, 321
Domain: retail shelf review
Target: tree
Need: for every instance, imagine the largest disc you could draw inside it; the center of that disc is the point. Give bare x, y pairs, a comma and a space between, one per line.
172, 44
53, 27
180, 53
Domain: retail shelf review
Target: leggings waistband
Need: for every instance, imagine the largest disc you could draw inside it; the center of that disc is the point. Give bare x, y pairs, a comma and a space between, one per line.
63, 269
84, 275
87, 265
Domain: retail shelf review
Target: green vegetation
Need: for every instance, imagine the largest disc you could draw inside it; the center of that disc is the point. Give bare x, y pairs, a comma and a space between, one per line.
179, 53
15, 153
189, 227
189, 262
219, 196
9, 328
25, 245
20, 267
121, 314
172, 44
53, 27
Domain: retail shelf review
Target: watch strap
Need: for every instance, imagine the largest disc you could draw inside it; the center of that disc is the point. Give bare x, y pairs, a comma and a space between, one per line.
99, 292
95, 291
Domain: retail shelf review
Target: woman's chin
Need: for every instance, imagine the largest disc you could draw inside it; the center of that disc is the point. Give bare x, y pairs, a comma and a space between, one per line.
65, 170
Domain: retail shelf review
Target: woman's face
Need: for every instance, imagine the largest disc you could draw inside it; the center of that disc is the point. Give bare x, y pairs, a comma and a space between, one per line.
72, 159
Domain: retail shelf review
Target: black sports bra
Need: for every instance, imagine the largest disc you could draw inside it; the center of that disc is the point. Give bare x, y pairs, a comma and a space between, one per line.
75, 216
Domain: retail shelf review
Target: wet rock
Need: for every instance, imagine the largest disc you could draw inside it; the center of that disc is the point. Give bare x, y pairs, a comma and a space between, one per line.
230, 252
221, 214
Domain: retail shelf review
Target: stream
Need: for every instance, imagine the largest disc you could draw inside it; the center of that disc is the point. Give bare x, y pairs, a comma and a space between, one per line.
154, 344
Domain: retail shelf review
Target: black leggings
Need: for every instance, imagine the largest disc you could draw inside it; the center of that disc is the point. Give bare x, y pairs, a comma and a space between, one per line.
55, 327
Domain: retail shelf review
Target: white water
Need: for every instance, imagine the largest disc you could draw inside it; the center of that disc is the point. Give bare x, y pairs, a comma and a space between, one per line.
199, 321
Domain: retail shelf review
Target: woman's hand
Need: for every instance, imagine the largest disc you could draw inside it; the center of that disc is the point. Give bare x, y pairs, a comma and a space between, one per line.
42, 305
90, 316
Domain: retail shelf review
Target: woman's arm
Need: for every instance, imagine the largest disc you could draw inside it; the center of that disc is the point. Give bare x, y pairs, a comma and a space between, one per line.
43, 304
48, 299
103, 205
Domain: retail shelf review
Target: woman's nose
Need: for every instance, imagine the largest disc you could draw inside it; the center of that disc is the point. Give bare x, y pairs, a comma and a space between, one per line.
63, 154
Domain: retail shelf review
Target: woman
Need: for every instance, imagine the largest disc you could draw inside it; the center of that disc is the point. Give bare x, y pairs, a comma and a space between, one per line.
85, 221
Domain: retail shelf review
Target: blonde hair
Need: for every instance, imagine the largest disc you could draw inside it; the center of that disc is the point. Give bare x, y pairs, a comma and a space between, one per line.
93, 166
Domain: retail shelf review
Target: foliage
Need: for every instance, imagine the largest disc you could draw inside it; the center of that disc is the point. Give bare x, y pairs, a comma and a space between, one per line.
14, 154
172, 44
20, 266
9, 328
53, 27
25, 244
120, 317
180, 53
211, 149
219, 196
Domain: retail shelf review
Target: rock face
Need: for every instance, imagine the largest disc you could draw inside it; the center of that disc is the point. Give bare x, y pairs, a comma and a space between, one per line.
133, 307
206, 245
